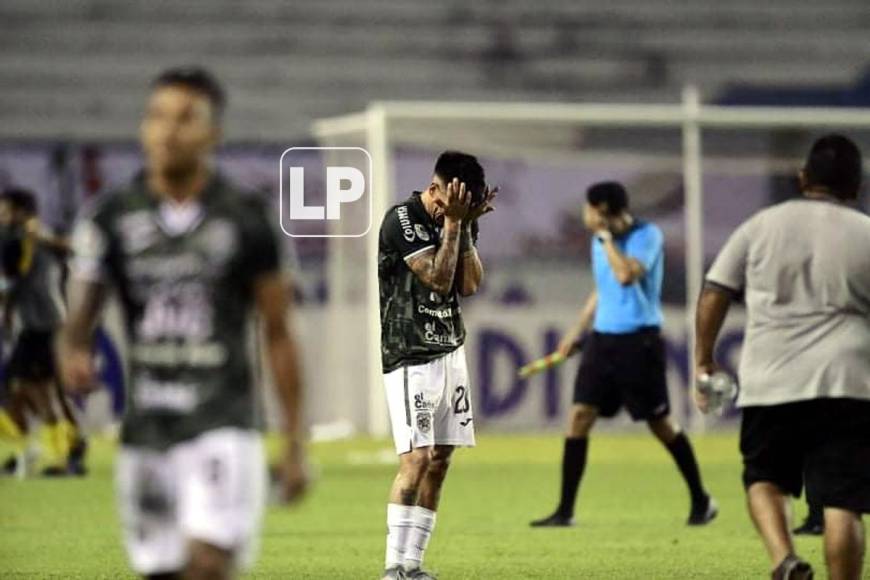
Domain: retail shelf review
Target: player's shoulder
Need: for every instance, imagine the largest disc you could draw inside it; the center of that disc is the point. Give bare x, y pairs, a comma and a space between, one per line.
108, 206
405, 214
225, 193
648, 230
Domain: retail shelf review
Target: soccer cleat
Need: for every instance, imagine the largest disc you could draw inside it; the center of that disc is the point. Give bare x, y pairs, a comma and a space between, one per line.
54, 471
793, 568
10, 465
393, 573
418, 574
810, 527
556, 520
75, 464
703, 514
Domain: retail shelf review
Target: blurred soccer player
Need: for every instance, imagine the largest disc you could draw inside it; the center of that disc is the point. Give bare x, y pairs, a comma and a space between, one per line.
190, 257
803, 267
34, 313
623, 361
426, 260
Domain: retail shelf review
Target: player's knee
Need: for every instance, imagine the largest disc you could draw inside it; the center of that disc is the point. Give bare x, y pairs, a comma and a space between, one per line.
413, 465
664, 429
439, 463
582, 419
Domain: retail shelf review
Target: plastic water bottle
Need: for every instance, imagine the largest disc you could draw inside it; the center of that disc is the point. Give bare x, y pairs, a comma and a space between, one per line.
719, 388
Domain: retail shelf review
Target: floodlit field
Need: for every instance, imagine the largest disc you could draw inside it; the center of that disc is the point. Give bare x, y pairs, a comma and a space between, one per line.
631, 518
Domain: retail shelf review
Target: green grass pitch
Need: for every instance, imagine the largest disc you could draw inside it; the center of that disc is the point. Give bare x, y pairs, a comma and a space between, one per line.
631, 516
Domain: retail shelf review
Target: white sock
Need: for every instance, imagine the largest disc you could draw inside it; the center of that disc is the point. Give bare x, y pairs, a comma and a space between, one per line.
418, 539
400, 522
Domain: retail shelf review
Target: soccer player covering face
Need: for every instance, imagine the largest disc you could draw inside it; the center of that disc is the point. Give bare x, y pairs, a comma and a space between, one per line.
803, 270
623, 360
190, 257
426, 260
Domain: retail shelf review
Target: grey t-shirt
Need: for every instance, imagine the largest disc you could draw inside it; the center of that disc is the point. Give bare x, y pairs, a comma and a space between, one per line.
804, 267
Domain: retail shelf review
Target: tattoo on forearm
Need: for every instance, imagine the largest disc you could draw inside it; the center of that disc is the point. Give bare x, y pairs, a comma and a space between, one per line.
438, 271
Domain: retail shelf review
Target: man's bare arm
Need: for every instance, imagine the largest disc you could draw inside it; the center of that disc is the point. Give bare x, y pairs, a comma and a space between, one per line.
437, 269
713, 306
274, 308
583, 324
75, 343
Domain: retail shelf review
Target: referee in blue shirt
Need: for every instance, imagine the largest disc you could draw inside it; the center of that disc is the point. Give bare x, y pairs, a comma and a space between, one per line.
623, 358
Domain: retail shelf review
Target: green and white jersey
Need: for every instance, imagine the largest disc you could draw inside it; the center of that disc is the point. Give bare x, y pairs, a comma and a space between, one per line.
185, 278
417, 324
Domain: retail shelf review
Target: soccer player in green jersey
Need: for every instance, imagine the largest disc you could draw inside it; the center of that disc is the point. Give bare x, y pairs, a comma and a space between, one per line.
190, 257
426, 261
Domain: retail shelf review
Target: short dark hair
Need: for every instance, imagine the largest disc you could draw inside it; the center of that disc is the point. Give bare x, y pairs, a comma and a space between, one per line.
610, 193
465, 167
21, 199
198, 79
834, 163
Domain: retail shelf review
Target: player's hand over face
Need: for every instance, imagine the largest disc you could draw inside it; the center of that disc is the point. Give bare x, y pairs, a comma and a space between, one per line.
77, 370
702, 401
484, 207
458, 200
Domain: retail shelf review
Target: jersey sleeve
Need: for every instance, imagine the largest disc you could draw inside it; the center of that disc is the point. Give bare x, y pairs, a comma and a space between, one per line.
646, 246
91, 241
729, 268
263, 245
404, 234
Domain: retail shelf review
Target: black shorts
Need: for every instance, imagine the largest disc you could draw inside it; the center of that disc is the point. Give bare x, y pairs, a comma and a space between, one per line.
824, 443
624, 370
32, 357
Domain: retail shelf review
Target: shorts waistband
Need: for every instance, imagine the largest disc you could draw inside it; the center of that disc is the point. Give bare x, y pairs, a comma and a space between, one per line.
640, 331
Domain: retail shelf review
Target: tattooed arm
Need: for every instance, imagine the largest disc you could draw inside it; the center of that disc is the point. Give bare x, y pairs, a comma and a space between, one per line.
436, 269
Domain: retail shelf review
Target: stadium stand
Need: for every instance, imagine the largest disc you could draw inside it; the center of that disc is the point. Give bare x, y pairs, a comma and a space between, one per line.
79, 65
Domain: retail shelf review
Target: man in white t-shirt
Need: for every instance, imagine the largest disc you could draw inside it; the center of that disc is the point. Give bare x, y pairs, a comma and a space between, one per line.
803, 268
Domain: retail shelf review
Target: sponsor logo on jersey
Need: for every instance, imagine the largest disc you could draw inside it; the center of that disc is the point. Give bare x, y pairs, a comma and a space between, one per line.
220, 240
444, 313
431, 335
174, 396
421, 404
137, 231
421, 232
405, 223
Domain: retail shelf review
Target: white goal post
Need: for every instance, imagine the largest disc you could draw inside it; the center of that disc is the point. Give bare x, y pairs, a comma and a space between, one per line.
491, 128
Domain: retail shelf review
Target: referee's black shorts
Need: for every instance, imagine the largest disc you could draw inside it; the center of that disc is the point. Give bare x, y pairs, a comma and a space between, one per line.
822, 443
628, 370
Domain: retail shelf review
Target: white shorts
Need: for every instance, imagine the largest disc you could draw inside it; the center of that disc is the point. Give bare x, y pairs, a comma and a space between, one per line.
210, 489
430, 404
